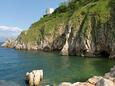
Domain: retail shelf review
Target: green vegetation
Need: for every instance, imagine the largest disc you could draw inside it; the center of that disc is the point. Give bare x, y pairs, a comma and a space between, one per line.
74, 11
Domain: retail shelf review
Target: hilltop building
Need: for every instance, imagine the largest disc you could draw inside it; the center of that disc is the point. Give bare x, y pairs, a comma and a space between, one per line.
49, 11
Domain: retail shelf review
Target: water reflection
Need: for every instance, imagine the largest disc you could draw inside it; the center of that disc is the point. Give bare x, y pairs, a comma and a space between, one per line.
14, 63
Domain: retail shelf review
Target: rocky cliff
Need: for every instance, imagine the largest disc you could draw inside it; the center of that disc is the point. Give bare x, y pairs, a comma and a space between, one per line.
80, 27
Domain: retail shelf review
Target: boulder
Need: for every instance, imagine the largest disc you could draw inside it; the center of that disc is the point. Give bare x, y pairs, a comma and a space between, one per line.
110, 75
105, 82
33, 78
36, 79
30, 78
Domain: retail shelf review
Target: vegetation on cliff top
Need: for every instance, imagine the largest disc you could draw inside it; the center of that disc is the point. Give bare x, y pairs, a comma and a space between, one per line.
68, 11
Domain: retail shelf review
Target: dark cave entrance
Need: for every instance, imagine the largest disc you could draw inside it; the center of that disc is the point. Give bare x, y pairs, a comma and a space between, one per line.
104, 54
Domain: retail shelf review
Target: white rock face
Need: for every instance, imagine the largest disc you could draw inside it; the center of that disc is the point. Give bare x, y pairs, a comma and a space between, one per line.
34, 77
65, 50
30, 78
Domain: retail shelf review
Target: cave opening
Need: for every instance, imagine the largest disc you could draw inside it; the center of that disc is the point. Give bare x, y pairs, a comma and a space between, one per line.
104, 54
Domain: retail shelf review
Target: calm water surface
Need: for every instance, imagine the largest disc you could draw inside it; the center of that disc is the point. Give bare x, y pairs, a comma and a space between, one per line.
14, 64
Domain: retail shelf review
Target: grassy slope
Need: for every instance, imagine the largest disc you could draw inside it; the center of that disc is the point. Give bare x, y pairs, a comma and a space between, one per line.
50, 23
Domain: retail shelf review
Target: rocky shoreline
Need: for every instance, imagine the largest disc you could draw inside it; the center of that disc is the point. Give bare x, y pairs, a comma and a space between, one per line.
107, 80
44, 46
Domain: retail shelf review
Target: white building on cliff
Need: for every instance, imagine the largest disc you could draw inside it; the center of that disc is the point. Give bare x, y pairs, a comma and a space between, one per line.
49, 11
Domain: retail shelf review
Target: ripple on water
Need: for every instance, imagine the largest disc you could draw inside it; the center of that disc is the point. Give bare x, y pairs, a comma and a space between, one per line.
14, 64
8, 83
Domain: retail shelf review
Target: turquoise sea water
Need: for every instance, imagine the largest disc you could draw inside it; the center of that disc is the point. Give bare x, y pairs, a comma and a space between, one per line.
14, 64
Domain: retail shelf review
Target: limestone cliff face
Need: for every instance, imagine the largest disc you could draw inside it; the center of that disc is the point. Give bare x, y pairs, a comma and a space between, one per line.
95, 39
87, 31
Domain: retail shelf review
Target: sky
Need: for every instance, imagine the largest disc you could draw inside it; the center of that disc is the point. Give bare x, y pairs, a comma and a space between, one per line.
18, 15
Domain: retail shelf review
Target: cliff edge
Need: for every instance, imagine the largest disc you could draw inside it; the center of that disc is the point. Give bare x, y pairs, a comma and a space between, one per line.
77, 27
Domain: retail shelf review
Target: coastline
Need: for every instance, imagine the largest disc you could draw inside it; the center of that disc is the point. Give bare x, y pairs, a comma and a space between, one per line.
28, 47
82, 83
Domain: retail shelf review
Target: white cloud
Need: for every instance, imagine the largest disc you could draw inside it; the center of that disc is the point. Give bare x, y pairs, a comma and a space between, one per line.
9, 32
8, 28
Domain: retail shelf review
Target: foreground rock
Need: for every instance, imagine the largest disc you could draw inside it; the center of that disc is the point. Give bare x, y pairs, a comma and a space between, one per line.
33, 78
94, 79
107, 80
76, 84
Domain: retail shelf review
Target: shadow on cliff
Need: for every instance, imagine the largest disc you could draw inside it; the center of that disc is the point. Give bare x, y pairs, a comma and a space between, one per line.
102, 36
